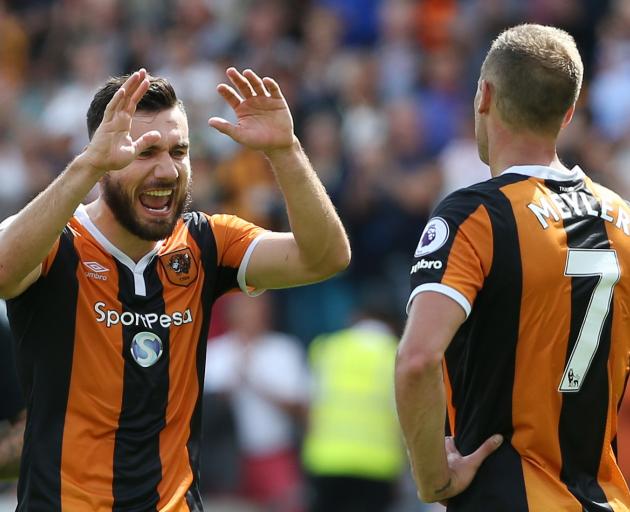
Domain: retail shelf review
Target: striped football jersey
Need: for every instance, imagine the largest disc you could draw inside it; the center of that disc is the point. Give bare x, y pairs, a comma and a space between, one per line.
540, 262
111, 355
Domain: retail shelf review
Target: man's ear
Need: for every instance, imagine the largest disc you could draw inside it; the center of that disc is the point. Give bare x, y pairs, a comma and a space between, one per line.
485, 97
568, 116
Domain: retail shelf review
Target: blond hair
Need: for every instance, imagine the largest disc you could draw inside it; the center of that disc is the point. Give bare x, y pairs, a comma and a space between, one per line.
536, 72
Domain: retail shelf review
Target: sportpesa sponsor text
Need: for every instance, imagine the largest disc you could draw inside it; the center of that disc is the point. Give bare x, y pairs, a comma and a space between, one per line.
112, 317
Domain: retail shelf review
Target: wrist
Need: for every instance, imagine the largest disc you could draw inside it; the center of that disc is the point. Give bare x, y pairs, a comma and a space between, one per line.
436, 491
285, 151
85, 162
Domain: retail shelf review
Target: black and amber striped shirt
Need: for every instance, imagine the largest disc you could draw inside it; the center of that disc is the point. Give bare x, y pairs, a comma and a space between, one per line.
111, 355
540, 262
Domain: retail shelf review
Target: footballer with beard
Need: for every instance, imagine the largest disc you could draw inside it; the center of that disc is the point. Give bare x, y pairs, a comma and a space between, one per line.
110, 302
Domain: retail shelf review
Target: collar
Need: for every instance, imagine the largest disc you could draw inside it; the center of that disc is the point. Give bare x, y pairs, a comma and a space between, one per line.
137, 268
546, 173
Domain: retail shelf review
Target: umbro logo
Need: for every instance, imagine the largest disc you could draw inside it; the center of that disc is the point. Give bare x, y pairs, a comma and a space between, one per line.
96, 270
95, 267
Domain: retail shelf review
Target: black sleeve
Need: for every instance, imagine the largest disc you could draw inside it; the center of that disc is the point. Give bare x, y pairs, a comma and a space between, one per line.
11, 400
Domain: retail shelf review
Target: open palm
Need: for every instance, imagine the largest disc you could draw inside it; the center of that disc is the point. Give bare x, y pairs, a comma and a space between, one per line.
263, 118
112, 147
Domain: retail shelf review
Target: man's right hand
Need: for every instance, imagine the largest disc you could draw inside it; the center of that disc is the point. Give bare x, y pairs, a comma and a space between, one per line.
112, 147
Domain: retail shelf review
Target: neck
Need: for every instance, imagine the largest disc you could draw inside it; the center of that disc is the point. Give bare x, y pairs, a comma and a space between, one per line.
103, 218
507, 149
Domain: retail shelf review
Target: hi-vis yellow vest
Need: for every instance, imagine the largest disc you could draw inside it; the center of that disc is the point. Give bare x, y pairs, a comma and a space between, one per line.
353, 428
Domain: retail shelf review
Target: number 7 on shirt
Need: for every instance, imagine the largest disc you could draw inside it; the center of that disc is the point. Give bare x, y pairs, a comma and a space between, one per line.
588, 263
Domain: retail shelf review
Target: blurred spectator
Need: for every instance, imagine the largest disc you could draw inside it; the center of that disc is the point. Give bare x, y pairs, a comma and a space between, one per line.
435, 20
248, 188
13, 173
608, 99
263, 375
442, 99
398, 52
391, 187
321, 58
63, 118
13, 48
352, 449
265, 44
359, 19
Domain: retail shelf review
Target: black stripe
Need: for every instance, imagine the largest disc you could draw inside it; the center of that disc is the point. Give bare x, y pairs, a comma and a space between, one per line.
481, 361
137, 465
498, 486
455, 209
201, 232
43, 325
582, 425
226, 279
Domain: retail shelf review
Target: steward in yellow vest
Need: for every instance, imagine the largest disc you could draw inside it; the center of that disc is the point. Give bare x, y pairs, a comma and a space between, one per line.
352, 449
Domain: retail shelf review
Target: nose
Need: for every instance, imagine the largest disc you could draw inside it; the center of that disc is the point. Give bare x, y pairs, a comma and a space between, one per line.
165, 168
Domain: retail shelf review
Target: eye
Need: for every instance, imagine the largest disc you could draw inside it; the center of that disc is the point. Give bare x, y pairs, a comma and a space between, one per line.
179, 153
146, 153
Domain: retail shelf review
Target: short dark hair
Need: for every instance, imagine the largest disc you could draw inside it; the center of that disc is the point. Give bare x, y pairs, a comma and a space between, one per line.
160, 96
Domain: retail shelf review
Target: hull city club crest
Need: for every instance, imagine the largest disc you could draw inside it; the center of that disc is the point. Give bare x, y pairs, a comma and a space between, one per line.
180, 267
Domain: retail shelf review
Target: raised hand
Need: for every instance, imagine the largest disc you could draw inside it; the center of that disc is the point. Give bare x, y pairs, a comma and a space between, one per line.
112, 147
263, 118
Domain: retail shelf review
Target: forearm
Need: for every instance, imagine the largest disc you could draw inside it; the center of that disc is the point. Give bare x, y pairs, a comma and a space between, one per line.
11, 449
421, 404
317, 229
26, 241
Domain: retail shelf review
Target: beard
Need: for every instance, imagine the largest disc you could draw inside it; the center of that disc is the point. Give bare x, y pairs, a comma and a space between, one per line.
122, 206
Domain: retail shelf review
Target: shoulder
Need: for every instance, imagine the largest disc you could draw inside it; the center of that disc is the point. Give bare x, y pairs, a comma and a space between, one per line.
196, 220
217, 223
199, 225
485, 193
481, 205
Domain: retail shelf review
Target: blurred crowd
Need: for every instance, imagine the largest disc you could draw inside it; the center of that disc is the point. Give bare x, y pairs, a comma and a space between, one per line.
381, 92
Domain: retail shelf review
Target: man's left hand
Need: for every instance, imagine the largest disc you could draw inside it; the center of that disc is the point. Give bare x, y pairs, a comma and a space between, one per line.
462, 469
263, 118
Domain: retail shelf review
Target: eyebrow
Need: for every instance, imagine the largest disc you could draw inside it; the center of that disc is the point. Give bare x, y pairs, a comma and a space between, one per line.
157, 147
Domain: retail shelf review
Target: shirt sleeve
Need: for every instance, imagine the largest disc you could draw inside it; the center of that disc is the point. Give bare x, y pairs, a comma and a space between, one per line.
455, 251
236, 240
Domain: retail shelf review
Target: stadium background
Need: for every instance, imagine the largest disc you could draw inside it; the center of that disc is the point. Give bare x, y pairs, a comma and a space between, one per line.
381, 92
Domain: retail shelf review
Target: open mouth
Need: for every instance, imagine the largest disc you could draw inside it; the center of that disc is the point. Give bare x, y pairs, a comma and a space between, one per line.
157, 201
